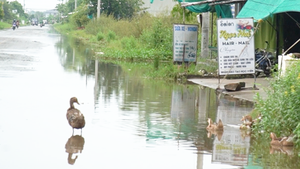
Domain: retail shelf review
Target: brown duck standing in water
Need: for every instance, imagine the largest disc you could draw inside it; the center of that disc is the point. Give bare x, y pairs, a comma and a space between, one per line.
74, 116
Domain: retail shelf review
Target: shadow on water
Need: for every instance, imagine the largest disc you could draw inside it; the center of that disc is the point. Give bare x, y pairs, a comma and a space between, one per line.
159, 115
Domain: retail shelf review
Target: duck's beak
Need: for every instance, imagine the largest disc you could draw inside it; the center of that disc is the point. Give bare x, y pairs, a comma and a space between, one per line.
77, 102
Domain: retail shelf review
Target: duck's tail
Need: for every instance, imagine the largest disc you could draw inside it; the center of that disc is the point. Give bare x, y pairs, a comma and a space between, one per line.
220, 123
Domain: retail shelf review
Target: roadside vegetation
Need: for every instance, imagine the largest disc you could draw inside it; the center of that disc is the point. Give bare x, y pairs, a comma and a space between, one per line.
280, 110
10, 10
4, 25
7, 14
141, 38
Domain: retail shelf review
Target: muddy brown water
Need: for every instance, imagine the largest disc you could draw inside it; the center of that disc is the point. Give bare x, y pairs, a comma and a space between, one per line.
131, 122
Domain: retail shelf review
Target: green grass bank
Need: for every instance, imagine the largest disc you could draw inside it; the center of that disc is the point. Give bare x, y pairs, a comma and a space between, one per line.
4, 25
143, 39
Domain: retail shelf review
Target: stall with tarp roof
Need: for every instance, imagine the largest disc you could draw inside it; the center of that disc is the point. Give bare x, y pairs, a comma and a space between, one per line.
281, 23
219, 6
222, 10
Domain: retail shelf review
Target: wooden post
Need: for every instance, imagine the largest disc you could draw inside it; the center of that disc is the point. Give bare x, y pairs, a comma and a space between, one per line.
183, 15
211, 33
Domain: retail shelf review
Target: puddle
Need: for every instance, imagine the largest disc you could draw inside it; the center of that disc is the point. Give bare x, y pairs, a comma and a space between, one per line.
131, 122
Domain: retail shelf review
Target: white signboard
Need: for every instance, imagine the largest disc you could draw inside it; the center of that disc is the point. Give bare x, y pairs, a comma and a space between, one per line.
185, 41
236, 46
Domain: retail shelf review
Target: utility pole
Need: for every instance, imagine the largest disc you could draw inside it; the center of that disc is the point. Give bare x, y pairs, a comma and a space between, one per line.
75, 4
98, 9
205, 35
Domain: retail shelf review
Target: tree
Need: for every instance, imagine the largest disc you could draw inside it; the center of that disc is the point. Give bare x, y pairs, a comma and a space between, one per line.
80, 16
39, 15
15, 5
1, 10
62, 9
70, 5
117, 8
8, 15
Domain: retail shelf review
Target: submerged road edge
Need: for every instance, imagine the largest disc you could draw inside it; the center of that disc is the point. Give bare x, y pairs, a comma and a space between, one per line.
247, 93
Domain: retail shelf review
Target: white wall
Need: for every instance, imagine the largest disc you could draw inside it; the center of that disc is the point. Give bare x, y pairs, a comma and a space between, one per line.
159, 6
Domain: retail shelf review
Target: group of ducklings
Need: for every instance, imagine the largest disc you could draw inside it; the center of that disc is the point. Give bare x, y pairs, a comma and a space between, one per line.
76, 120
217, 129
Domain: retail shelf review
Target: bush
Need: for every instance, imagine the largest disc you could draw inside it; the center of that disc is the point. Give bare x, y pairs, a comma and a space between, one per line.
80, 16
129, 42
100, 36
111, 35
280, 110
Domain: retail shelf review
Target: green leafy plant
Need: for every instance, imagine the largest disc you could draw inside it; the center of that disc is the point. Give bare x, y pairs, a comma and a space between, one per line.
80, 16
129, 42
280, 110
100, 36
111, 35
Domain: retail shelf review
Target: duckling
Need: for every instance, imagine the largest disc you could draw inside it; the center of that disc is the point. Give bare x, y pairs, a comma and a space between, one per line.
284, 141
246, 119
212, 126
258, 119
74, 116
246, 126
247, 122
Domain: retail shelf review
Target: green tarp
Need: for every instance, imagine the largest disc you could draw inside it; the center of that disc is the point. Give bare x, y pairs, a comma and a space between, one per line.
266, 33
260, 9
223, 11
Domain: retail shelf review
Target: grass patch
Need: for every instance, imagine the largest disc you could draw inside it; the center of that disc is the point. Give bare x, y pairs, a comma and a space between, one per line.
4, 25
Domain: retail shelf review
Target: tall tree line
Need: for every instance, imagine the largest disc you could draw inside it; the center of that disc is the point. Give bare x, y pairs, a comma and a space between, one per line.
117, 8
11, 10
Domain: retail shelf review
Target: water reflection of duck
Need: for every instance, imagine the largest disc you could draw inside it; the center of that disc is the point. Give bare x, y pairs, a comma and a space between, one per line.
212, 126
74, 116
288, 150
217, 133
245, 133
74, 145
281, 141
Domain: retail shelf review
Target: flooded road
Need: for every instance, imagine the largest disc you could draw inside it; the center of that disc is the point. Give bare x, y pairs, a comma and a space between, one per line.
131, 122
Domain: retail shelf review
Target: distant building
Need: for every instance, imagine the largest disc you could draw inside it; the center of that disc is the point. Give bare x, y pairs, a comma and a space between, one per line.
52, 12
158, 6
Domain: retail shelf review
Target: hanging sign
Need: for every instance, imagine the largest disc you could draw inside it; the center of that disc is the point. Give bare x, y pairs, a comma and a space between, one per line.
185, 41
236, 46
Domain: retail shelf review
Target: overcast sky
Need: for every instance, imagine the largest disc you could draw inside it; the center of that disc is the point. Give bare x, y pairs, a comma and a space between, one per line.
38, 5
